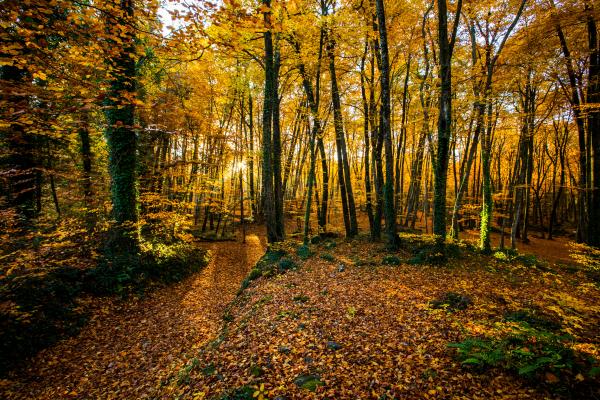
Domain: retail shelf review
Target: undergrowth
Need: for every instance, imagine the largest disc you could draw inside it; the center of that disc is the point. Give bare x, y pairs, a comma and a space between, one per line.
534, 353
41, 304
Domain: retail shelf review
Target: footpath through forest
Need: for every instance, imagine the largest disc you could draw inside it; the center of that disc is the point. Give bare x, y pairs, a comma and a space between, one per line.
128, 347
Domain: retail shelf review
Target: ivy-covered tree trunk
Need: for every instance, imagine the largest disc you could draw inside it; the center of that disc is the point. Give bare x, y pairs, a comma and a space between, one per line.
251, 155
575, 101
388, 189
312, 99
486, 209
122, 140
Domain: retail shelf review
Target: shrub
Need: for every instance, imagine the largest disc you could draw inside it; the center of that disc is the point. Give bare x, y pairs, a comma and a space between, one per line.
513, 256
157, 262
270, 263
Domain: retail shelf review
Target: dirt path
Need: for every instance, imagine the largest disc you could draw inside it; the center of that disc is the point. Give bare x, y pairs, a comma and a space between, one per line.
128, 348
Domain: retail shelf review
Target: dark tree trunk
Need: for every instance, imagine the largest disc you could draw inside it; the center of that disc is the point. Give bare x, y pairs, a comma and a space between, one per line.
345, 180
593, 98
367, 161
386, 130
122, 141
20, 162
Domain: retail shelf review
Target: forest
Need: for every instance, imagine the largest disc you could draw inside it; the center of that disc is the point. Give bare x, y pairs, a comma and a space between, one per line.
299, 199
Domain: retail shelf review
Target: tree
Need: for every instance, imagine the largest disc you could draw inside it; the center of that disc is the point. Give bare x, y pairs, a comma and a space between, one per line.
388, 190
120, 134
446, 48
271, 190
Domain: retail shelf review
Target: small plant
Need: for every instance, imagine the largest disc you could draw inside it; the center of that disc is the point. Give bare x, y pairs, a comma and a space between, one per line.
451, 301
286, 263
315, 239
301, 298
308, 382
534, 318
241, 393
303, 252
256, 371
391, 260
350, 312
328, 257
183, 377
209, 370
330, 244
259, 392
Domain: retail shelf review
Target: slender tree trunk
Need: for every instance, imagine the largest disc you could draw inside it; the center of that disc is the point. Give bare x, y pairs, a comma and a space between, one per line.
277, 186
367, 161
345, 180
486, 209
386, 130
446, 46
593, 97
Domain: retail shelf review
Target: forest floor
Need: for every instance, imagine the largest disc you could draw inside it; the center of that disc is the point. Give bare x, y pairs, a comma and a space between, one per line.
128, 346
346, 322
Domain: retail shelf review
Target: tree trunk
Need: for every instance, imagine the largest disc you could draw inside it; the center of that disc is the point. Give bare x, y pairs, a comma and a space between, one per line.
386, 130
122, 142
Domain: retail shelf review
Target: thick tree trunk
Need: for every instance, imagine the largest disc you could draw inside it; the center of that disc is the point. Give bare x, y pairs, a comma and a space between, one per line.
268, 199
122, 142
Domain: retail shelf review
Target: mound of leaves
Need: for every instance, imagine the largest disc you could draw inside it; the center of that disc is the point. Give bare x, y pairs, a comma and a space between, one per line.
512, 256
271, 263
424, 249
535, 354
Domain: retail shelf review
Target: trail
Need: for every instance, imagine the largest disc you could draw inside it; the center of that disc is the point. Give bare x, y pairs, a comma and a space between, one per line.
129, 347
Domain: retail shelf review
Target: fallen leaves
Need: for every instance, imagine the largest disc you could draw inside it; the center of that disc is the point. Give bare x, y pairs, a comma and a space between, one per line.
129, 348
317, 332
389, 342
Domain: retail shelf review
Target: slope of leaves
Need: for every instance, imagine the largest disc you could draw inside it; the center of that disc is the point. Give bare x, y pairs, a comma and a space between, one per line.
357, 327
128, 347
